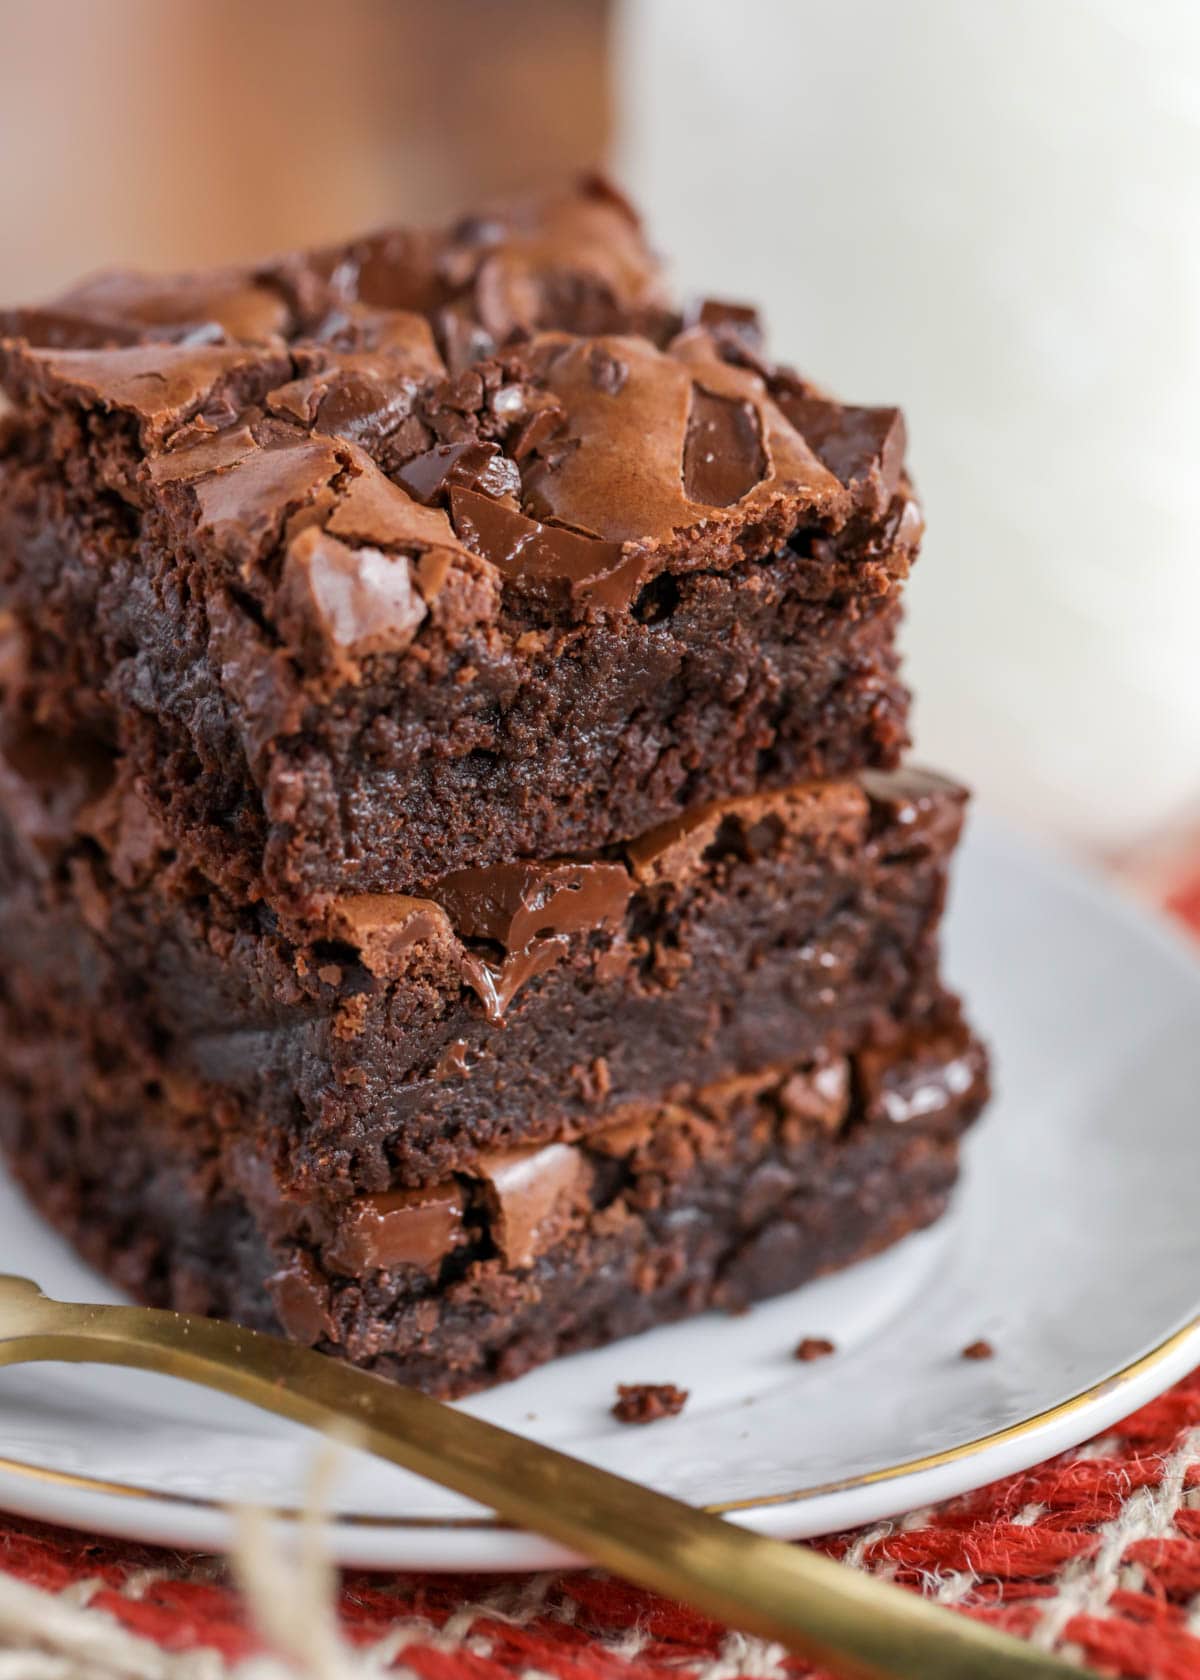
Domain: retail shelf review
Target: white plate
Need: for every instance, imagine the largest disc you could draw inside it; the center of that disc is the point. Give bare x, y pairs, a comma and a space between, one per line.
1073, 1247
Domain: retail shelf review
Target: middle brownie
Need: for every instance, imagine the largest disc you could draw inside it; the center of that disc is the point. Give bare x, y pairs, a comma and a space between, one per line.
520, 1003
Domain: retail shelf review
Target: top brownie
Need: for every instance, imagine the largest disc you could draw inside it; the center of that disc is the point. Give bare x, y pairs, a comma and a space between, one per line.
437, 549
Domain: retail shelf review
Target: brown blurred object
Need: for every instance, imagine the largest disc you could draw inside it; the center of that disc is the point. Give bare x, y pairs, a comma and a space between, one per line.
163, 133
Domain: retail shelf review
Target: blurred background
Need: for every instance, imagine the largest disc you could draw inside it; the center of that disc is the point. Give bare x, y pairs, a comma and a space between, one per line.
987, 212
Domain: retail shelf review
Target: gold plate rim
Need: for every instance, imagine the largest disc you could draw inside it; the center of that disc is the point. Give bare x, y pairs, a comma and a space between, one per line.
756, 1502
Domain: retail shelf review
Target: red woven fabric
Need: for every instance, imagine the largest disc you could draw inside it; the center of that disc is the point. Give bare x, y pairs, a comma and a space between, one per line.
1095, 1554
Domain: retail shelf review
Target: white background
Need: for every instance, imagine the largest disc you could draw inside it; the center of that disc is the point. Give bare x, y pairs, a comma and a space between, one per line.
988, 211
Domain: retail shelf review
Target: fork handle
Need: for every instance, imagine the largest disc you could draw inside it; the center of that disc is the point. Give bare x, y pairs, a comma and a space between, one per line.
817, 1608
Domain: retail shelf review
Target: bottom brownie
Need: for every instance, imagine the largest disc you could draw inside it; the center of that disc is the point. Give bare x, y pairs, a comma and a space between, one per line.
745, 1190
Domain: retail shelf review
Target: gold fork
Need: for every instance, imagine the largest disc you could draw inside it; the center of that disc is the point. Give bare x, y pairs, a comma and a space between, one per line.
817, 1608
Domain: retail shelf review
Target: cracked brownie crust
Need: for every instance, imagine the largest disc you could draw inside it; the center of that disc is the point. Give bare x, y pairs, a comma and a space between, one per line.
361, 611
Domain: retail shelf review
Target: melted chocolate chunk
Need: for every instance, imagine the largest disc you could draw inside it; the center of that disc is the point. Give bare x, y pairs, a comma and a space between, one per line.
530, 910
301, 1297
391, 270
496, 986
863, 446
384, 928
514, 904
519, 547
925, 807
722, 454
402, 1228
531, 1195
469, 466
360, 404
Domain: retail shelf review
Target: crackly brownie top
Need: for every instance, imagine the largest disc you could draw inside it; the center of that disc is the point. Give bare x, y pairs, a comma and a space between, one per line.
576, 261
510, 404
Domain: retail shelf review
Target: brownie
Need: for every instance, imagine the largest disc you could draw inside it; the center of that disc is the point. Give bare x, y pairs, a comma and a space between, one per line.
520, 1002
728, 1194
461, 896
442, 550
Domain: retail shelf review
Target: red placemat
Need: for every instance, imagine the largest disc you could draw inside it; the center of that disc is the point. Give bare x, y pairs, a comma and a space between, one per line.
1095, 1555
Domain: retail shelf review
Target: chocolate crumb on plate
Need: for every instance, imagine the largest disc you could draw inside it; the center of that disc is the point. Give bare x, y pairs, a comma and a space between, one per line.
978, 1350
814, 1347
645, 1402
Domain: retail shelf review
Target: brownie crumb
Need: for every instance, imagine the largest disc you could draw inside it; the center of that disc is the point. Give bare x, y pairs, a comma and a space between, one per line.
644, 1402
978, 1350
814, 1347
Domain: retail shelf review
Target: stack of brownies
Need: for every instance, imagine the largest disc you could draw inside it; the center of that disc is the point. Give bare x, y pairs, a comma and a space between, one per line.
459, 900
